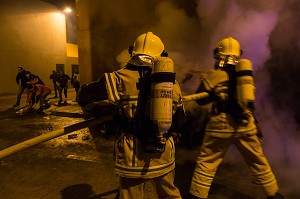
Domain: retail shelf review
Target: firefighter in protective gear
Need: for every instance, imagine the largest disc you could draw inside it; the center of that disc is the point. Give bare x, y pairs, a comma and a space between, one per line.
231, 121
119, 93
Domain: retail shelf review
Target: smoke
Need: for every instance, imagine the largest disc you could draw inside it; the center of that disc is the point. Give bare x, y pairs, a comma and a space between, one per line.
269, 35
251, 27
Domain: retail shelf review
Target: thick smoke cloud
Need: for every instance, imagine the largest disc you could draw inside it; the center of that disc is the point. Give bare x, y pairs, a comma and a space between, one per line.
269, 35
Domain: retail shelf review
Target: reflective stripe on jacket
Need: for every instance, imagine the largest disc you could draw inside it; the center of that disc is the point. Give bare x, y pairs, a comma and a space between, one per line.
131, 160
223, 124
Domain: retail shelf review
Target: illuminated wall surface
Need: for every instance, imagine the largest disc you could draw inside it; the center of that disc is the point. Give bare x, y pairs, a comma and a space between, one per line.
32, 35
72, 50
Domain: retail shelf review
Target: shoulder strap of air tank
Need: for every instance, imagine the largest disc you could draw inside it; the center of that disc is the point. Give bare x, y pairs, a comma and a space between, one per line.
111, 87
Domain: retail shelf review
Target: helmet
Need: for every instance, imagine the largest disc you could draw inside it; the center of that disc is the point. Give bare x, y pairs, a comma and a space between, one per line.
148, 44
145, 49
227, 52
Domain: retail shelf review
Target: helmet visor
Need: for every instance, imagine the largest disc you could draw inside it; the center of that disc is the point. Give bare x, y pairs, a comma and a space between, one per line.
141, 60
223, 60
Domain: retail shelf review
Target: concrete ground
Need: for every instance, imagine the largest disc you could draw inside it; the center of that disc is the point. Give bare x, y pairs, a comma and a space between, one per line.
71, 166
79, 165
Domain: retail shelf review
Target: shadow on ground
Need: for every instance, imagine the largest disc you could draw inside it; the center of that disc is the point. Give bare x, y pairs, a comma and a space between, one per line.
83, 191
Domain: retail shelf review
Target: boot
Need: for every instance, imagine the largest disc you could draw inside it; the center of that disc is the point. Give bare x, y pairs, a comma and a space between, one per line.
277, 196
16, 105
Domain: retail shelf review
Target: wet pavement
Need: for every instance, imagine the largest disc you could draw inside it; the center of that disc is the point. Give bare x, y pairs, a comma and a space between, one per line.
79, 165
71, 166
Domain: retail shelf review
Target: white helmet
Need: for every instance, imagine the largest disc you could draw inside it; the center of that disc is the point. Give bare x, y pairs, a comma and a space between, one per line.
227, 52
146, 48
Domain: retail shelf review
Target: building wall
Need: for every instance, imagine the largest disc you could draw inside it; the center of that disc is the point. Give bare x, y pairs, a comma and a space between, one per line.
105, 31
72, 58
99, 44
32, 35
86, 68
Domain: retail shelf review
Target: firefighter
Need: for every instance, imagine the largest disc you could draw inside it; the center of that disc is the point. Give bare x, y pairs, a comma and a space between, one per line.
231, 95
148, 108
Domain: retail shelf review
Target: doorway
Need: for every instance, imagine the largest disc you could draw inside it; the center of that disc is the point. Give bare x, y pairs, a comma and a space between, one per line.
60, 67
75, 67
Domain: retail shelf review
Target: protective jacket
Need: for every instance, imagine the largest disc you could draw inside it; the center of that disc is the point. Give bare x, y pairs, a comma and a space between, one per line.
119, 89
225, 113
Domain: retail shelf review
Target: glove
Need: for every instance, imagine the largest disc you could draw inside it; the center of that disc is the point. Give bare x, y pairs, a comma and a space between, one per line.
176, 137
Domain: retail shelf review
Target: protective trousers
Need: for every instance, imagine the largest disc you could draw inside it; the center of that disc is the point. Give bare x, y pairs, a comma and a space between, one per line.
133, 188
212, 154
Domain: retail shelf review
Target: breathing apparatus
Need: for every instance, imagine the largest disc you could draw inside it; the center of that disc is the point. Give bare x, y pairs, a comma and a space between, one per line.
155, 91
245, 88
161, 101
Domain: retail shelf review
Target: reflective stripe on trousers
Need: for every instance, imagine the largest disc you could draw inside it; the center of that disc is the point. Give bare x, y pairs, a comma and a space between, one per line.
212, 154
133, 188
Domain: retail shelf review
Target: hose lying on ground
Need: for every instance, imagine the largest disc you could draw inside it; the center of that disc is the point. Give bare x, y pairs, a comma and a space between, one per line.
54, 134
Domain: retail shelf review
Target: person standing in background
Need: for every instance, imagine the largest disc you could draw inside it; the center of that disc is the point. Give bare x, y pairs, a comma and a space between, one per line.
75, 81
54, 77
63, 82
21, 80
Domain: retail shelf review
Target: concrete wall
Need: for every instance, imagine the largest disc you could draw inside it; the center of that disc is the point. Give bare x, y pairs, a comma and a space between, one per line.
99, 44
105, 31
86, 68
32, 35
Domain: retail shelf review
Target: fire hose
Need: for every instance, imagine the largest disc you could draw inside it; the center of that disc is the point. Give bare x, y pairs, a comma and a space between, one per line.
74, 127
45, 137
195, 96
